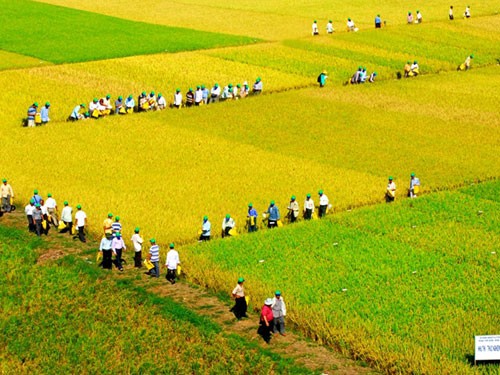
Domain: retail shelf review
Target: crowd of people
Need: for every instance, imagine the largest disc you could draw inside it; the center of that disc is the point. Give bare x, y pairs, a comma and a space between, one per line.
361, 76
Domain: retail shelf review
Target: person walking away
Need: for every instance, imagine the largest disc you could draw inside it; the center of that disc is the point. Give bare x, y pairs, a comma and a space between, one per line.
257, 86
378, 22
178, 99
105, 248
252, 218
51, 205
36, 197
279, 313
190, 98
118, 246
7, 194
67, 218
154, 257
414, 186
322, 78
107, 226
172, 263
467, 12
308, 207
240, 304
32, 112
274, 215
228, 224
390, 193
293, 209
266, 320
206, 230
116, 227
315, 30
409, 18
37, 219
137, 242
80, 223
45, 216
28, 210
323, 204
44, 113
329, 27
450, 13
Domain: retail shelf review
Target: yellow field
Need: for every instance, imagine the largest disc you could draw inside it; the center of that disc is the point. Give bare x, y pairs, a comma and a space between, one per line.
10, 60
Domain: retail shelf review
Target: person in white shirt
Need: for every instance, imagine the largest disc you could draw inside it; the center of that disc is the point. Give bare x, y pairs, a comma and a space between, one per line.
162, 103
350, 25
80, 222
7, 194
390, 193
198, 96
172, 262
329, 27
51, 205
214, 94
279, 312
137, 241
28, 210
450, 13
419, 17
45, 216
67, 218
414, 69
228, 223
105, 105
315, 30
323, 204
130, 104
178, 98
308, 207
467, 12
94, 108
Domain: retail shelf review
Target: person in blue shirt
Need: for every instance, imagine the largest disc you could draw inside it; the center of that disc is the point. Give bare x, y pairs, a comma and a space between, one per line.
76, 115
37, 199
274, 215
130, 104
252, 218
322, 78
45, 113
206, 230
378, 22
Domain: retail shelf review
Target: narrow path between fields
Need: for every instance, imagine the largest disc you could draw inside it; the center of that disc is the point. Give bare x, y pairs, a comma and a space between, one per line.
302, 351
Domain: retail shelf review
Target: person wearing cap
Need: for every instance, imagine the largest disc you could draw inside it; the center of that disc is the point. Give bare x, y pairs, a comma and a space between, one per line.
44, 113
172, 263
225, 93
142, 100
137, 242
45, 218
257, 86
94, 109
32, 112
279, 313
467, 12
350, 25
419, 17
152, 101
293, 209
36, 197
189, 98
130, 104
362, 75
51, 205
214, 94
120, 106
240, 304
466, 64
204, 94
80, 223
252, 218
450, 13
308, 207
314, 27
67, 218
329, 27
322, 78
198, 96
390, 192
274, 215
243, 90
378, 22
178, 99
236, 91
75, 114
409, 18
206, 230
37, 217
7, 194
118, 246
414, 186
323, 204
154, 257
356, 76
414, 69
107, 226
266, 321
116, 227
407, 69
161, 102
228, 223
105, 247
28, 210
105, 105
372, 77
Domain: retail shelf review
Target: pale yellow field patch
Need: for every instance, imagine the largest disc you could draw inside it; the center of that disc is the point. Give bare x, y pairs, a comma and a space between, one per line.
10, 60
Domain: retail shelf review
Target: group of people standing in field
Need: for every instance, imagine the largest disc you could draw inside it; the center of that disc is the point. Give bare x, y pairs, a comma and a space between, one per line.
102, 107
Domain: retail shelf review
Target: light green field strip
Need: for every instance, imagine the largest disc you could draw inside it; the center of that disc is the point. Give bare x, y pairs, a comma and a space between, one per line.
10, 60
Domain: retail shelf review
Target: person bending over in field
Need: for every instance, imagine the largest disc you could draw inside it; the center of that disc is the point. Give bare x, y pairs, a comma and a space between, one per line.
414, 186
143, 102
257, 86
152, 103
329, 27
414, 69
162, 103
105, 105
467, 12
214, 94
390, 192
362, 76
129, 104
322, 78
206, 230
244, 90
78, 113
94, 109
190, 98
419, 17
351, 26
409, 18
466, 64
228, 225
120, 106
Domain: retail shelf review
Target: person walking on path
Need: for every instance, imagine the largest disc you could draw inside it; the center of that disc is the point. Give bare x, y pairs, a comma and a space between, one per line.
450, 13
206, 230
116, 227
154, 257
266, 320
293, 209
28, 210
414, 186
45, 218
51, 205
279, 313
137, 241
252, 218
36, 197
67, 218
7, 194
240, 303
80, 223
228, 224
390, 192
308, 207
107, 253
107, 226
37, 219
172, 263
118, 246
274, 215
323, 204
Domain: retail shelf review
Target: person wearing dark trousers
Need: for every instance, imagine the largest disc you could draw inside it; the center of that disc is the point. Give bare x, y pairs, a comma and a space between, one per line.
80, 223
45, 215
28, 210
273, 215
172, 263
266, 320
137, 241
118, 246
106, 248
240, 303
67, 218
308, 207
37, 217
323, 204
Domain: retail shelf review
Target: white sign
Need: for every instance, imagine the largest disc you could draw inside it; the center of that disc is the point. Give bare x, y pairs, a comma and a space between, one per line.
487, 348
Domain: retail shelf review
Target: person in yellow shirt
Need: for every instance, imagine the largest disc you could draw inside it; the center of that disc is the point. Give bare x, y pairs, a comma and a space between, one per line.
7, 194
107, 226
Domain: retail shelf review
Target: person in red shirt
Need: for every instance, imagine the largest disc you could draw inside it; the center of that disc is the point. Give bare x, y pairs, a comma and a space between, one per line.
266, 320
